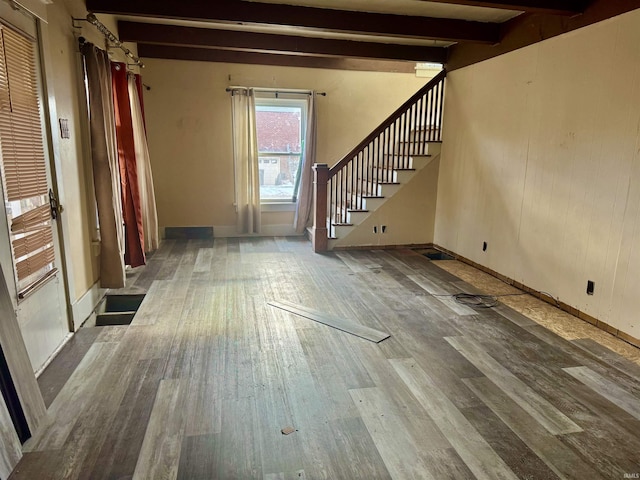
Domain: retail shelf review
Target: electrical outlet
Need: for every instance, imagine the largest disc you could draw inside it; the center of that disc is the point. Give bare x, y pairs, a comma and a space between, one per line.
375, 229
484, 246
383, 228
590, 287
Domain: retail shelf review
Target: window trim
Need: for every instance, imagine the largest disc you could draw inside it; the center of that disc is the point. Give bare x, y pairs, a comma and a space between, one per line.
275, 99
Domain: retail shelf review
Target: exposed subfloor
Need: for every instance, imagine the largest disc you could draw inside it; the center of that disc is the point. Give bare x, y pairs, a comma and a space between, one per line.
203, 381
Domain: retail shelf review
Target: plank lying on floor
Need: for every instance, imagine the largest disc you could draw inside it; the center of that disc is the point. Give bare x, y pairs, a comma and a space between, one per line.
343, 324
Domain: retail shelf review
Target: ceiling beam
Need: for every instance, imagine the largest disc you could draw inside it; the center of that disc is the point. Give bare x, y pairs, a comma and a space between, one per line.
252, 58
151, 33
551, 7
528, 29
304, 17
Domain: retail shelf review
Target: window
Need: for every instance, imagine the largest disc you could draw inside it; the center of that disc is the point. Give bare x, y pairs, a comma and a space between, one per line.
280, 125
23, 162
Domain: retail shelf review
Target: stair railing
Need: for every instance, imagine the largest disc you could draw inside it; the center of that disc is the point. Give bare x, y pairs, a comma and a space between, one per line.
360, 173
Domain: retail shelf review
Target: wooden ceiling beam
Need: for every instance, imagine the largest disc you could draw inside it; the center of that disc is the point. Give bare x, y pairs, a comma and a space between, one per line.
551, 7
252, 58
528, 29
238, 11
151, 33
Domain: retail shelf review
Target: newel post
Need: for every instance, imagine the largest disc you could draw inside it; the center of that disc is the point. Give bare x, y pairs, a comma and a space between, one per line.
320, 178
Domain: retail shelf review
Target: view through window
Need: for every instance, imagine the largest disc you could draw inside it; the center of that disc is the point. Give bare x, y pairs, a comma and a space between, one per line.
280, 125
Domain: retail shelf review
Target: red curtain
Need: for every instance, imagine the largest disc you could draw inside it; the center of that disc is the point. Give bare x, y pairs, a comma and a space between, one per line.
134, 235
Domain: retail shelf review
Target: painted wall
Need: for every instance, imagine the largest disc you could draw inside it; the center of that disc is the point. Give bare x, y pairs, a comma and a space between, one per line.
189, 128
541, 159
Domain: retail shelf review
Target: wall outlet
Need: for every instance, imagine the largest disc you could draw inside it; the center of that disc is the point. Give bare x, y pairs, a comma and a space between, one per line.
383, 228
590, 287
484, 246
375, 229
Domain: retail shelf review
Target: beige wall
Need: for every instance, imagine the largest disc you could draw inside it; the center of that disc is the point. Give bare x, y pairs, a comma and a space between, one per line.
541, 159
189, 128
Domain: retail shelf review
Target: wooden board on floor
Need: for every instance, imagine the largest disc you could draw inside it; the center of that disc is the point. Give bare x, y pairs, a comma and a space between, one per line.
343, 324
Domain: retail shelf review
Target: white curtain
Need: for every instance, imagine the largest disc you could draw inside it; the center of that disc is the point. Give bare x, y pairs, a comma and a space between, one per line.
305, 192
143, 168
245, 156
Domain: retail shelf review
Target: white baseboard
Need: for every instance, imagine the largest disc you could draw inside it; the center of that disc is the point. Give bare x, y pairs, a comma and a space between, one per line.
227, 231
83, 308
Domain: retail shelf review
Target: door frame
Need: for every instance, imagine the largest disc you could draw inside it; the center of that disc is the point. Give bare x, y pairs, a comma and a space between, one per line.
36, 27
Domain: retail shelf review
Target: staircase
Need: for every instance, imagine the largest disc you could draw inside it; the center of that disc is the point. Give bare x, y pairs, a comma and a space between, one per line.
375, 170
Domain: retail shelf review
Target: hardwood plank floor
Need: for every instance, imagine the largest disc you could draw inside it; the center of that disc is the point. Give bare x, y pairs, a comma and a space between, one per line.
206, 377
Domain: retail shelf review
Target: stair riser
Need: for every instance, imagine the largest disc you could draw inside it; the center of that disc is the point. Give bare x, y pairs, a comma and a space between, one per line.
381, 189
356, 218
390, 162
410, 149
424, 134
372, 204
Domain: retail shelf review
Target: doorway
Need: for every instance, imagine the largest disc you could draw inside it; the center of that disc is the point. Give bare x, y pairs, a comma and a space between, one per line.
28, 230
12, 401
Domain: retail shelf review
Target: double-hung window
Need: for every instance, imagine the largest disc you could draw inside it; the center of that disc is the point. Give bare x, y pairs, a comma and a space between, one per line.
280, 128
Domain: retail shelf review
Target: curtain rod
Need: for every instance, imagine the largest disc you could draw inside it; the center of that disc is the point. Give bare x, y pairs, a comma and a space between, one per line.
288, 91
93, 20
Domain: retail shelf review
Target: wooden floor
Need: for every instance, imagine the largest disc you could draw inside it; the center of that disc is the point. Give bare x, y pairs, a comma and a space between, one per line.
203, 381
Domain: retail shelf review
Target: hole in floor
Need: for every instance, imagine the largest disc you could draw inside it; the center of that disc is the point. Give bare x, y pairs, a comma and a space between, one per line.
433, 254
118, 309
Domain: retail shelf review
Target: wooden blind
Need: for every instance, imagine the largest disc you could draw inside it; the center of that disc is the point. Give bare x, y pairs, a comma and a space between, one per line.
24, 170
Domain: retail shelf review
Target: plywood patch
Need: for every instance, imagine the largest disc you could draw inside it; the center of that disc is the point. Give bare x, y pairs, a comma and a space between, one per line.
561, 323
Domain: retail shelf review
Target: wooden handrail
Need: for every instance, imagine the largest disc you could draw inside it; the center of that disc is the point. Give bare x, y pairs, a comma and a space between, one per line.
386, 123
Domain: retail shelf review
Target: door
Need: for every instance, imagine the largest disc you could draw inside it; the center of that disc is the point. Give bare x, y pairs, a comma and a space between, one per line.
28, 232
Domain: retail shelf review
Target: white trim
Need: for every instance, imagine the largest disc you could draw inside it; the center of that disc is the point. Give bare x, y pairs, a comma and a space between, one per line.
83, 308
278, 207
37, 8
229, 231
38, 372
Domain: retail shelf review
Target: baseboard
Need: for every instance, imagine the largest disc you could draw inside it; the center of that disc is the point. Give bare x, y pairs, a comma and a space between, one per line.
228, 231
381, 247
83, 308
546, 298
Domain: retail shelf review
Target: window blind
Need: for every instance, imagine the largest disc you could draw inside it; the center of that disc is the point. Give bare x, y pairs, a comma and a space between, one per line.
25, 173
24, 170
